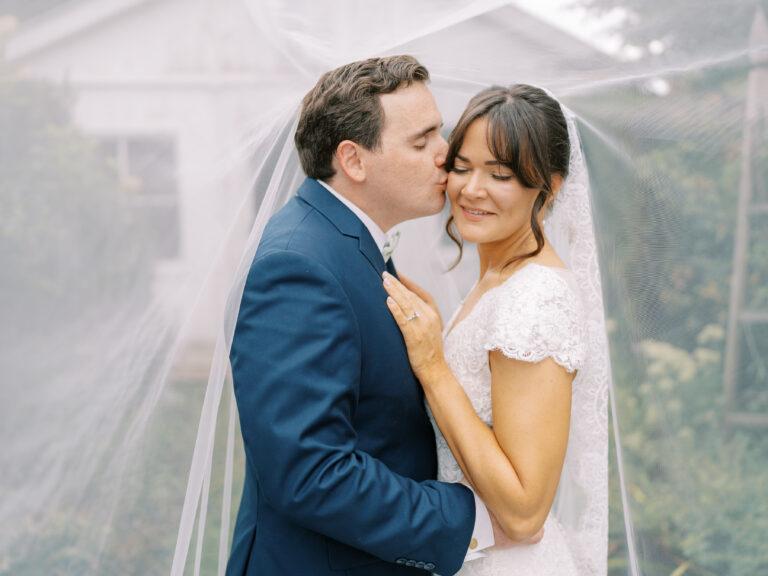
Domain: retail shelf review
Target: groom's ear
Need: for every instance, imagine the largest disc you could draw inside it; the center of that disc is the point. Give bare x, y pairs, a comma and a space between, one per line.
350, 160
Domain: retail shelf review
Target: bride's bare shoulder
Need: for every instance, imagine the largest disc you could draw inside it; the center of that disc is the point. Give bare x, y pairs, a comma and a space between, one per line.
548, 257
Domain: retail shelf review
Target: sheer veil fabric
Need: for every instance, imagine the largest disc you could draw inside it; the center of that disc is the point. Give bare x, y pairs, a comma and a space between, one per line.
582, 501
138, 177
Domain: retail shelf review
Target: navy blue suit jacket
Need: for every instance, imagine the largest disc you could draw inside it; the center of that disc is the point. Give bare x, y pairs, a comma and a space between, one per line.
340, 454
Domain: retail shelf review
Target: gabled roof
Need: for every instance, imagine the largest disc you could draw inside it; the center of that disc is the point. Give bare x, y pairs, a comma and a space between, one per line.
541, 32
64, 21
71, 18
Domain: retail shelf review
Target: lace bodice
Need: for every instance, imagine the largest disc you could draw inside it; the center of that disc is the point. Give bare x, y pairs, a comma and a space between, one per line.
535, 314
537, 302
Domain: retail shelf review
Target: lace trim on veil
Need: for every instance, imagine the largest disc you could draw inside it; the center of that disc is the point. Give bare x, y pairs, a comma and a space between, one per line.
582, 501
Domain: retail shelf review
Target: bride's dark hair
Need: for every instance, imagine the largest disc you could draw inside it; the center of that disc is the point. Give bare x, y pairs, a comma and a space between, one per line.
527, 133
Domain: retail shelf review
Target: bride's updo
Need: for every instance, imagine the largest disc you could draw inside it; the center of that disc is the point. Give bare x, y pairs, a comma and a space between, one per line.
527, 133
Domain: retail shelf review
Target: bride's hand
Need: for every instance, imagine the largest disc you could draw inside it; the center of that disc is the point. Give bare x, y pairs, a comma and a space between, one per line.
419, 321
423, 294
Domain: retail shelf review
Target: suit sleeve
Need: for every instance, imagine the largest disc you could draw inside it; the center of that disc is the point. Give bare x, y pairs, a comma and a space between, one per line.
296, 367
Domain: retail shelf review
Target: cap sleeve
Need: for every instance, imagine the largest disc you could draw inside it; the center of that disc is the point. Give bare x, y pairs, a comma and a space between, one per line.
538, 316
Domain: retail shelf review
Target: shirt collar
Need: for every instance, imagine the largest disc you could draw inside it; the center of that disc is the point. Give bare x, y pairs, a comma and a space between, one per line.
379, 236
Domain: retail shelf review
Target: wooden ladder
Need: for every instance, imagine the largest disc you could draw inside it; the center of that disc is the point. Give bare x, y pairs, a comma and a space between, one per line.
753, 205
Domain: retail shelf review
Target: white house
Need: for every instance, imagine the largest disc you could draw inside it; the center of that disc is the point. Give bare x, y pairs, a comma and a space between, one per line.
173, 88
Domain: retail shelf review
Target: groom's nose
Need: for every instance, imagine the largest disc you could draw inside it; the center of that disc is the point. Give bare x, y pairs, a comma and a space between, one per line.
442, 151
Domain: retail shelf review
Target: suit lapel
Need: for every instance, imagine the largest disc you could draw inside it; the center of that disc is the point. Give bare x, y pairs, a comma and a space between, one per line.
345, 221
367, 245
391, 267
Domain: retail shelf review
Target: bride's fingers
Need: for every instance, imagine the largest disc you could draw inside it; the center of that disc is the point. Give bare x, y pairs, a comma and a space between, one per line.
410, 284
423, 296
397, 312
404, 298
404, 292
415, 288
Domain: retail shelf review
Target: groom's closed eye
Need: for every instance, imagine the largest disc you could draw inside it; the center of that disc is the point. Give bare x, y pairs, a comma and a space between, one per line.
419, 139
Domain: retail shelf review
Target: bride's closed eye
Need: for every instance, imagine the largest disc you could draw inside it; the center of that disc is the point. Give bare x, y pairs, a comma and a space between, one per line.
495, 176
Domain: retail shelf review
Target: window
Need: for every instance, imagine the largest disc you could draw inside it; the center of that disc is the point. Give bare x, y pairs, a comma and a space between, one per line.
147, 168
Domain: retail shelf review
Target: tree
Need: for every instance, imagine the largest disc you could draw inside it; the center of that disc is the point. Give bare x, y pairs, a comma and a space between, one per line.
705, 28
68, 245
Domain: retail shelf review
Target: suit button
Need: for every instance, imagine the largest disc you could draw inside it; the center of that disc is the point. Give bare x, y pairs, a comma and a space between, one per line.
400, 560
411, 563
429, 566
420, 565
473, 544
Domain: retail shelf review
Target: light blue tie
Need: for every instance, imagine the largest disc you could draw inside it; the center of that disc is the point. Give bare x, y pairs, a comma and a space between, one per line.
390, 245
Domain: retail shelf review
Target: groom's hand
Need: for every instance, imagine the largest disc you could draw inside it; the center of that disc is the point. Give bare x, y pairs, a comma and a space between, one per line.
502, 541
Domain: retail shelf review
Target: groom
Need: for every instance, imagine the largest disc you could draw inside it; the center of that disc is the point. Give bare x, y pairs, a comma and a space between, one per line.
340, 453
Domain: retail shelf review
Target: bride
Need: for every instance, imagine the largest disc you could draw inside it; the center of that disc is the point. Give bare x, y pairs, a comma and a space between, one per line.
516, 380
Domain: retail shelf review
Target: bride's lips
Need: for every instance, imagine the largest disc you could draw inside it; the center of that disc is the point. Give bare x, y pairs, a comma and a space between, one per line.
474, 215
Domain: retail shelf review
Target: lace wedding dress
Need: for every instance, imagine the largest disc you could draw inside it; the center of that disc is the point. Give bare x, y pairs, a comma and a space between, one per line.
536, 313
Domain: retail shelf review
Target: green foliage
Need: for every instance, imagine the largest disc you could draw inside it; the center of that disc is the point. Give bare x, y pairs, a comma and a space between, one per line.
667, 201
696, 490
67, 242
683, 27
137, 530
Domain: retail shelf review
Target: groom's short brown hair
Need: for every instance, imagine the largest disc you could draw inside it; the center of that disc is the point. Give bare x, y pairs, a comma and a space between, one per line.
345, 105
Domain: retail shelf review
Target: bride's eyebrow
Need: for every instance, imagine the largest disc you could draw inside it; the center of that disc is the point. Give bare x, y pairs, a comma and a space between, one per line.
487, 163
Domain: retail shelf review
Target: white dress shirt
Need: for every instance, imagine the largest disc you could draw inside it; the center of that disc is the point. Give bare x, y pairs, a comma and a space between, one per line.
379, 236
482, 535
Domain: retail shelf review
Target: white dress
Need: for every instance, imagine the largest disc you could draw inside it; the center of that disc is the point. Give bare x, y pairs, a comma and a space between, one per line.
536, 313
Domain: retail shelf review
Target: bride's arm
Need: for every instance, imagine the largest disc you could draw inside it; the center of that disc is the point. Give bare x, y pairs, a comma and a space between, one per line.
514, 467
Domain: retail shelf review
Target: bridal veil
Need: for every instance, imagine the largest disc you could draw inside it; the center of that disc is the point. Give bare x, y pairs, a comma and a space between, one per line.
143, 146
